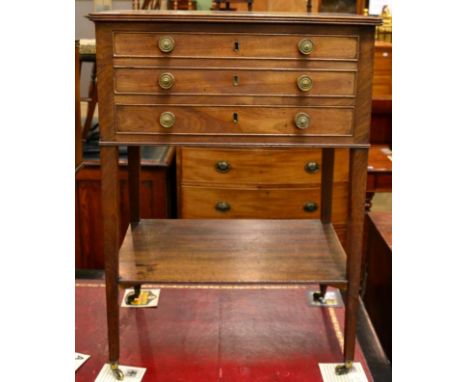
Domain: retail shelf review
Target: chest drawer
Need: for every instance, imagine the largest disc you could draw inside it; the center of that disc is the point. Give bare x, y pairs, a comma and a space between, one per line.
234, 82
228, 120
207, 202
257, 167
273, 203
201, 45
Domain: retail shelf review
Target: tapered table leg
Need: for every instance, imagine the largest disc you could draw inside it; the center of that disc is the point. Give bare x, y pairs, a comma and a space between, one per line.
134, 161
328, 167
110, 215
358, 181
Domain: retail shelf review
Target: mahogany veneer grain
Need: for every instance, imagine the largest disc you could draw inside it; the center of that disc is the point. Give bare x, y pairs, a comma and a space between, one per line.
235, 251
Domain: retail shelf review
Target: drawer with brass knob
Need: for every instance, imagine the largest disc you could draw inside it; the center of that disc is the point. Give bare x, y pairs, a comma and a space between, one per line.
215, 81
227, 45
166, 80
230, 120
208, 202
257, 168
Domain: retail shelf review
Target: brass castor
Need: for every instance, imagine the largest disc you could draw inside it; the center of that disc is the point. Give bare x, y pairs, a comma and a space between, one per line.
118, 374
133, 296
318, 297
344, 369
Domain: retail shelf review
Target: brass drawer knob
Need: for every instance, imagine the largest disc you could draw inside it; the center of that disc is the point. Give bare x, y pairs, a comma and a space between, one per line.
310, 207
304, 83
302, 120
222, 206
167, 119
166, 44
312, 167
166, 80
223, 166
305, 46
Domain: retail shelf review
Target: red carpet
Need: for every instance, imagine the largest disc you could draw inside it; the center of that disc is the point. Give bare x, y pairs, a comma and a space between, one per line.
204, 335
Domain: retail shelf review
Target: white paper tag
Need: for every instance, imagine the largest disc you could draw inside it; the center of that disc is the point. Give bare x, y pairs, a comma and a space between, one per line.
356, 374
131, 374
148, 298
80, 359
332, 299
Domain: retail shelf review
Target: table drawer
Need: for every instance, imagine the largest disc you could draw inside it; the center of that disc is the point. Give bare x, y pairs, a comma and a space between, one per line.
202, 45
257, 167
241, 120
234, 82
201, 202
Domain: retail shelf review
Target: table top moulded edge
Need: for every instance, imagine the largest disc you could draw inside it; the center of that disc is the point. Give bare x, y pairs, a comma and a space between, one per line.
234, 17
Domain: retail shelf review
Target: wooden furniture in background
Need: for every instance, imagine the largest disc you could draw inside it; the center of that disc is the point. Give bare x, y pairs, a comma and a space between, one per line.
379, 173
380, 170
156, 201
78, 142
277, 6
381, 121
260, 183
346, 6
225, 5
312, 72
382, 82
353, 6
169, 4
87, 53
377, 289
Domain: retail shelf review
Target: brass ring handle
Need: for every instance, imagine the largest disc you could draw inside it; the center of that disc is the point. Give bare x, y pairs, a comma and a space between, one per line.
166, 44
311, 167
302, 120
304, 83
310, 207
166, 80
223, 166
305, 46
222, 206
167, 119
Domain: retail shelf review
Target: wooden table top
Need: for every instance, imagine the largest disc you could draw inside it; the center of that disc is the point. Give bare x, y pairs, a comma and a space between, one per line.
383, 223
192, 251
379, 159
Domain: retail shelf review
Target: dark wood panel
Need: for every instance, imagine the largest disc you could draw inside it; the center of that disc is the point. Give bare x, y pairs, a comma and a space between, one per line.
378, 287
381, 122
237, 251
155, 202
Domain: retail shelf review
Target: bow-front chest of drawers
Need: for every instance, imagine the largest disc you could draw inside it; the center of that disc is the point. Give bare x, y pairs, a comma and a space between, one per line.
234, 80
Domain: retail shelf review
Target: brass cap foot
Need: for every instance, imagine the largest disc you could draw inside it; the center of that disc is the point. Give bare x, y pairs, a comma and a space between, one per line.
118, 374
344, 369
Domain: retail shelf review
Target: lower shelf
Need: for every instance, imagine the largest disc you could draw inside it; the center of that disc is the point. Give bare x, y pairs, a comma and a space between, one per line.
235, 251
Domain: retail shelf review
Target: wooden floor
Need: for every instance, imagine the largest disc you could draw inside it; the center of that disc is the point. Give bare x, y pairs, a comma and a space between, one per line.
232, 252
